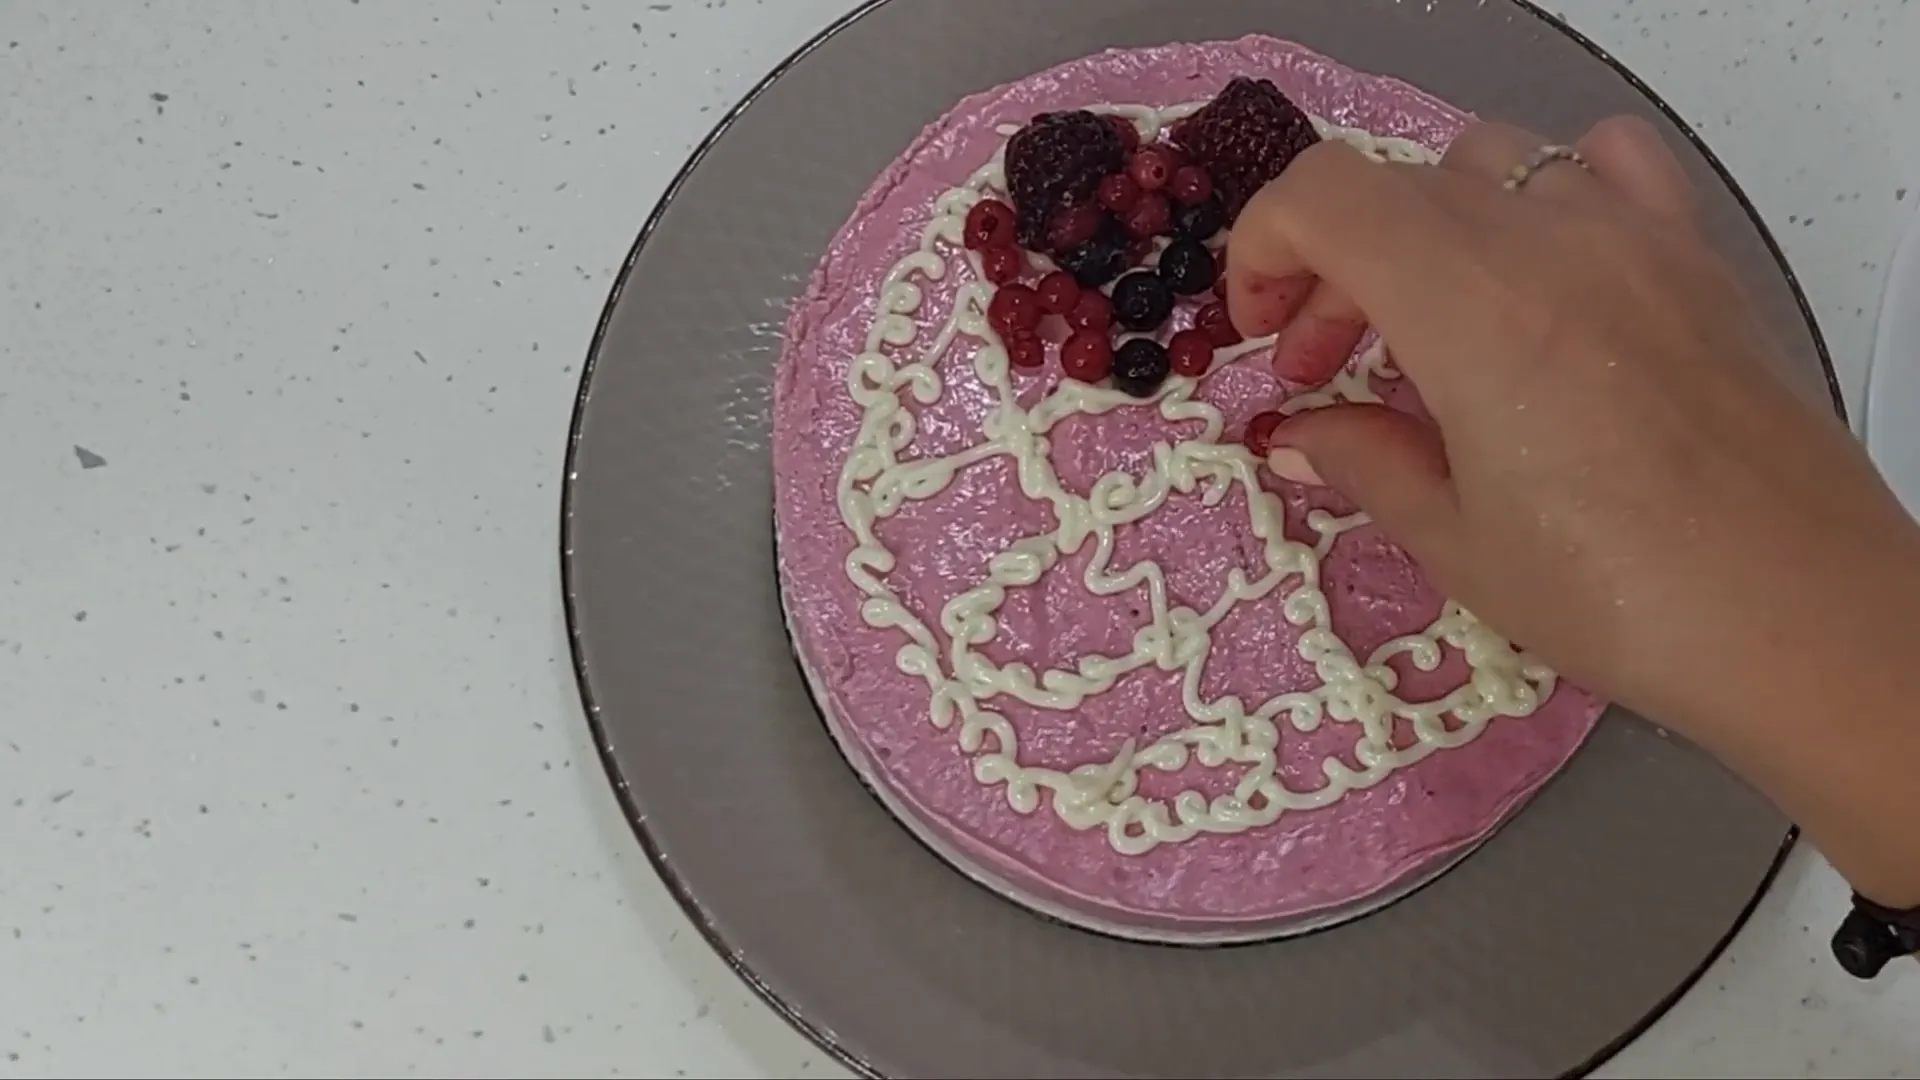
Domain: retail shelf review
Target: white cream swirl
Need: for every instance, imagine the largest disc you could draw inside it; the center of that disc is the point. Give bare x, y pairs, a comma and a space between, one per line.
963, 683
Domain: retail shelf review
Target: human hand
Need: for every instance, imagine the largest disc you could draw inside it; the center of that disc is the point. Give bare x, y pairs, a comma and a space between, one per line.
1612, 477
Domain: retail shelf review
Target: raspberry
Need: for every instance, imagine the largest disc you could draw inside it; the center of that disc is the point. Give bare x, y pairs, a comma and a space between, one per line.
1191, 353
1087, 356
1260, 429
1026, 350
1213, 321
1190, 185
1149, 217
1118, 193
1057, 162
1093, 311
989, 225
1003, 263
1073, 226
1014, 309
1152, 167
1244, 137
1058, 292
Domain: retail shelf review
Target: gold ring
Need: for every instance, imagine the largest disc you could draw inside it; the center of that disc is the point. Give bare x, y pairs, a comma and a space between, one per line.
1540, 159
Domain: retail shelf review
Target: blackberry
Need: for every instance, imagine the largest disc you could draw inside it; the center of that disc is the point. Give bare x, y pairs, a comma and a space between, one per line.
1187, 267
1141, 301
1095, 262
1140, 366
1201, 220
1056, 163
1244, 137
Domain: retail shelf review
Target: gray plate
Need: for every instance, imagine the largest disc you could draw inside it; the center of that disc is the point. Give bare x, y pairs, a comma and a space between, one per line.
1542, 953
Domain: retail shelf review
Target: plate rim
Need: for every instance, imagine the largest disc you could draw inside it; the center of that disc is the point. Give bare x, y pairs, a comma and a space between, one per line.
683, 895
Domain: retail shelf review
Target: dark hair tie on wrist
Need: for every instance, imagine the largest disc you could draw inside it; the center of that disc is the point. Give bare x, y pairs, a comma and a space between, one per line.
1871, 936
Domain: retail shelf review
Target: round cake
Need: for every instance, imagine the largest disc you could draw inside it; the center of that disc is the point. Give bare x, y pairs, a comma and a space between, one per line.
1056, 611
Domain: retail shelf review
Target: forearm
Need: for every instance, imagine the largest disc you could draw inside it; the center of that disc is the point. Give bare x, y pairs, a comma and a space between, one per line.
1832, 735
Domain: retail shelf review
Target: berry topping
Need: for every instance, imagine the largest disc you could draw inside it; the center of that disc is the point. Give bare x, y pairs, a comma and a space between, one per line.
1095, 262
989, 225
1128, 132
1118, 193
1073, 226
1213, 321
1151, 216
1199, 221
1151, 167
1187, 267
1015, 309
1139, 367
1093, 311
1141, 301
1190, 185
1003, 263
1026, 350
1259, 436
1058, 292
1087, 356
1244, 137
1056, 162
1190, 353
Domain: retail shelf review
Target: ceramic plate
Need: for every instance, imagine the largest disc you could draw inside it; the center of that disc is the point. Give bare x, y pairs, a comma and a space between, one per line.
1544, 951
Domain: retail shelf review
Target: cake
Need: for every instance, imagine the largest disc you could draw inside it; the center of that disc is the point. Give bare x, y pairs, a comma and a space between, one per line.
1056, 612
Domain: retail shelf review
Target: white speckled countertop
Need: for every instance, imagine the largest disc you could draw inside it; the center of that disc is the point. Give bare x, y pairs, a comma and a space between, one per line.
295, 297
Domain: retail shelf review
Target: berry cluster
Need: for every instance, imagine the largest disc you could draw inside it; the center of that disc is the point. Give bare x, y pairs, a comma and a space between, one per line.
1087, 193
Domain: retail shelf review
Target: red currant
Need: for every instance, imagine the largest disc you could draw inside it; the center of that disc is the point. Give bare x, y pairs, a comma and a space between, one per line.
1087, 356
1151, 216
1026, 350
1072, 227
1003, 264
1058, 292
1014, 310
1190, 186
1093, 311
1260, 429
1191, 352
1151, 167
1213, 321
1118, 193
989, 225
1129, 134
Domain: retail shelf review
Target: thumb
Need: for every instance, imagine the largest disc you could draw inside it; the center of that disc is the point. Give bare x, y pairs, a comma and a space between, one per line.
1391, 464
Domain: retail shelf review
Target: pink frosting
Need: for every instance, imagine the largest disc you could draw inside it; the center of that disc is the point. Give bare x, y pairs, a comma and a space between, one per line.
1302, 864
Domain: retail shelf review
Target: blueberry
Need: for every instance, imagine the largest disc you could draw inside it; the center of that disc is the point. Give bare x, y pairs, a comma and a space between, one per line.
1200, 221
1187, 267
1141, 301
1140, 366
1095, 262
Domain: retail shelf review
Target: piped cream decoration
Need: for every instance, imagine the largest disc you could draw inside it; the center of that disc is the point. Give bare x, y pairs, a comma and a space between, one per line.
963, 683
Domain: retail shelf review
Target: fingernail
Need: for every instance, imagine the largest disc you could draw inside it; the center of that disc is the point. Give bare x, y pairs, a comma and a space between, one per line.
1311, 354
1292, 465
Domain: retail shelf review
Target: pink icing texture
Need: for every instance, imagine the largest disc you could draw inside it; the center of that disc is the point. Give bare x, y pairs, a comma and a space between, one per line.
1305, 862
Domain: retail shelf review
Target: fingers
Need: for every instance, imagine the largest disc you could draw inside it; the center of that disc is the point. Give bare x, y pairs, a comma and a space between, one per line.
1630, 157
1360, 227
1391, 464
1317, 343
1492, 151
